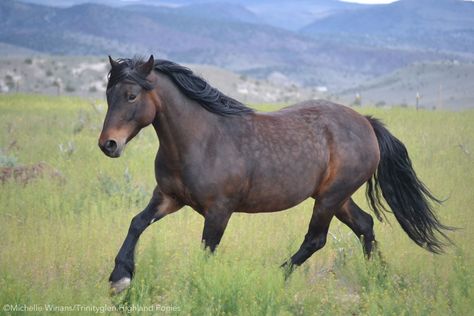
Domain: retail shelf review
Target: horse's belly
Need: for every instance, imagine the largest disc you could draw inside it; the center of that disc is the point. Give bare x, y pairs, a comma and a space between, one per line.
269, 205
272, 194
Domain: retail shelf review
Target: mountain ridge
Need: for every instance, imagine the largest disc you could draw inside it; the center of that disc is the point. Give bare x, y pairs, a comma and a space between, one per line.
445, 25
333, 61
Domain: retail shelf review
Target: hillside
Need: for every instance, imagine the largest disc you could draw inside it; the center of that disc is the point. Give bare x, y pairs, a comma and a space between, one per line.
448, 85
438, 25
220, 11
8, 50
86, 77
190, 34
349, 49
445, 85
92, 29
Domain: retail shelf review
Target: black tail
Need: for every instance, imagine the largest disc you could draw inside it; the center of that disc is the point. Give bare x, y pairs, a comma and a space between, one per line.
406, 195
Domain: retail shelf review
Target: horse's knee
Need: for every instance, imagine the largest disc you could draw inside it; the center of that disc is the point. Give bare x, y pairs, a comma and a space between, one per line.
316, 243
137, 225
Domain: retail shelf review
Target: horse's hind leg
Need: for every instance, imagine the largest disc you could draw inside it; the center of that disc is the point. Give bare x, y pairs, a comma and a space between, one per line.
329, 200
315, 238
360, 222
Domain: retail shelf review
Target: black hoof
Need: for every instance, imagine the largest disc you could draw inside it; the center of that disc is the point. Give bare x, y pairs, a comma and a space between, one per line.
120, 279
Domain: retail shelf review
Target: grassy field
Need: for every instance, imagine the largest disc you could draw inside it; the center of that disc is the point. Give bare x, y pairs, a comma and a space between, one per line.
59, 233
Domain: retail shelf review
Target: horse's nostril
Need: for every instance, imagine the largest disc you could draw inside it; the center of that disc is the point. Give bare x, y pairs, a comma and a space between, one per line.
110, 145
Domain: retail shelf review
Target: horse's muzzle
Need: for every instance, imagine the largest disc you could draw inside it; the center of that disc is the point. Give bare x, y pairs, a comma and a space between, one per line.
111, 148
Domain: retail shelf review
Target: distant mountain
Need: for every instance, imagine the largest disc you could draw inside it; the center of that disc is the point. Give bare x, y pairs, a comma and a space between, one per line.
284, 14
92, 29
227, 36
293, 15
215, 11
446, 25
220, 11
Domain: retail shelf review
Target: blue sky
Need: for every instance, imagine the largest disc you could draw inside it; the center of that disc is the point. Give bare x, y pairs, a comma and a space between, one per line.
370, 1
376, 1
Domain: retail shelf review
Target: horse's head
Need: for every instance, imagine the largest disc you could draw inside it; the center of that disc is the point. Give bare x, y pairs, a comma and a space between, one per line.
131, 103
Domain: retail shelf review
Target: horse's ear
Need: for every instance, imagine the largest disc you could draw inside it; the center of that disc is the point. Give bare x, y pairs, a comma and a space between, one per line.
147, 67
113, 63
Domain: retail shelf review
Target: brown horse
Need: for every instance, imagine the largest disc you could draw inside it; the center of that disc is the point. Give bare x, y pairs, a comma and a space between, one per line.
219, 156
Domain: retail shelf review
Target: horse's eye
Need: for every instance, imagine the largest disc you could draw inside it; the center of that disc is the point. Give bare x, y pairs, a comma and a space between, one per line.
131, 97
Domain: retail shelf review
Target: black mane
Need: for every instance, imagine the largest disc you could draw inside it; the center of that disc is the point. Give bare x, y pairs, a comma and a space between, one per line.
191, 85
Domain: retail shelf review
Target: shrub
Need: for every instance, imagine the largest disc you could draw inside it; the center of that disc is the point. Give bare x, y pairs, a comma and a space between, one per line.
7, 160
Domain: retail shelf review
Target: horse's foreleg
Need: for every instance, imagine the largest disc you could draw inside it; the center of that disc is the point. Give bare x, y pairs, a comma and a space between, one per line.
361, 223
158, 207
214, 226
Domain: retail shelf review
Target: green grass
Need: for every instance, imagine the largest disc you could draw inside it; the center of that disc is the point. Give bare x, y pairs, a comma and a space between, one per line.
58, 238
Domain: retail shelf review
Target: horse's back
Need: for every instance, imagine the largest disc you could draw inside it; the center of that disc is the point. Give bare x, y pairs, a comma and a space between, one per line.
339, 122
323, 109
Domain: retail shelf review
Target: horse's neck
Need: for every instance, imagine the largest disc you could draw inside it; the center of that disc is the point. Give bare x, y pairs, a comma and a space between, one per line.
182, 123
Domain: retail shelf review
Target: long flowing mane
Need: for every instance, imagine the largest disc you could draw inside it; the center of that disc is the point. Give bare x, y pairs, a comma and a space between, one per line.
191, 85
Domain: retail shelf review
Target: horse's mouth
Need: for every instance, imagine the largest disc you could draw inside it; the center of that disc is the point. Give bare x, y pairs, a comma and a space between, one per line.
116, 154
113, 152
113, 155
